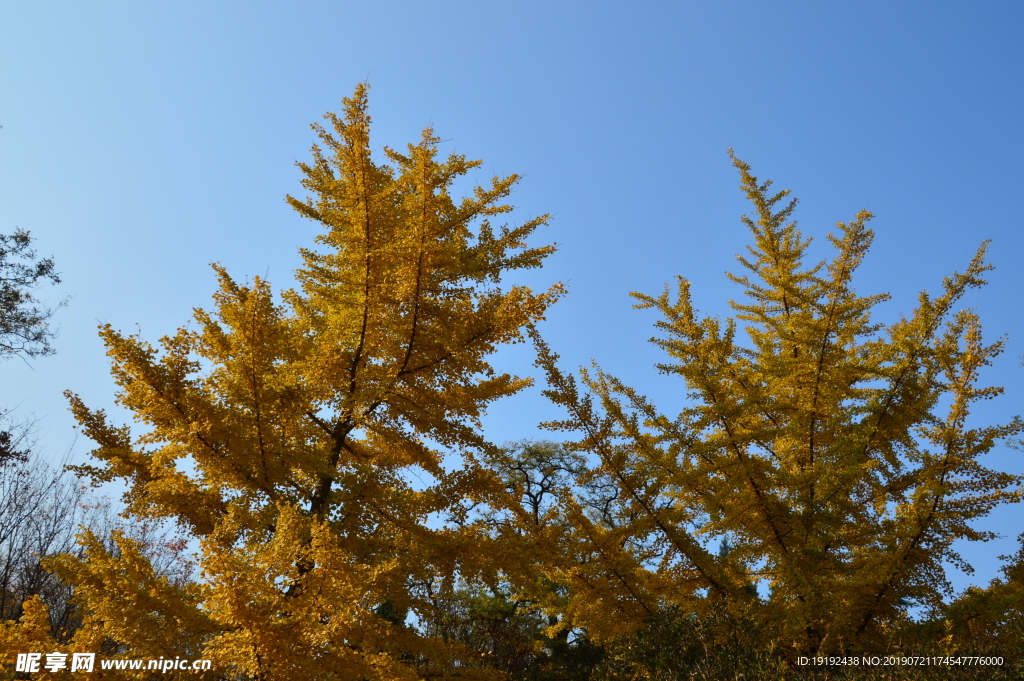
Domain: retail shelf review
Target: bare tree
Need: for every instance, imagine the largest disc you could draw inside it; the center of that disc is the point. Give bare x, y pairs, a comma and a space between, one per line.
43, 509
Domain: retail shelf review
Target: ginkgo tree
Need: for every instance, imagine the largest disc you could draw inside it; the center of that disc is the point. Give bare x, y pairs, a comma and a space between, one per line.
822, 469
284, 433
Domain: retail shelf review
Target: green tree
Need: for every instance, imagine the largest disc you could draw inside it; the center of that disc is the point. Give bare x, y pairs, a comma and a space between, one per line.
24, 327
517, 619
985, 620
24, 321
831, 452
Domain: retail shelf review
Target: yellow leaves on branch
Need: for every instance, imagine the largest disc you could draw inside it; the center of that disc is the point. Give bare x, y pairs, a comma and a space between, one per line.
829, 455
280, 431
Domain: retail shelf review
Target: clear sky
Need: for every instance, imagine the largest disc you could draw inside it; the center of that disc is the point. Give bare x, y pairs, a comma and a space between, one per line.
142, 141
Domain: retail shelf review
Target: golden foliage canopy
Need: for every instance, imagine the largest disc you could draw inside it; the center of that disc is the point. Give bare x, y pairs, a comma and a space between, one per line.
829, 455
282, 433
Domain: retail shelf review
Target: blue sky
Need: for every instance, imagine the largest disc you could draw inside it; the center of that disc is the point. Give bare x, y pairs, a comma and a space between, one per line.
143, 141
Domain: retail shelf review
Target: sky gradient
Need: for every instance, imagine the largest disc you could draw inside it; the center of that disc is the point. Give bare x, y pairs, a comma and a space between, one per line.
143, 141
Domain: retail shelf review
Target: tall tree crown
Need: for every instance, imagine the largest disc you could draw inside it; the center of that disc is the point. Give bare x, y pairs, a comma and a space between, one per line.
282, 433
832, 454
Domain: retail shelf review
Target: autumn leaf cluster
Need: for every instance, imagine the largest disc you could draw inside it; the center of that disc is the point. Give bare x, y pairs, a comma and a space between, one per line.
809, 493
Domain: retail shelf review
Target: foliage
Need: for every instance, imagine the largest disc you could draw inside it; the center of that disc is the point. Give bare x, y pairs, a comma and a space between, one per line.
675, 645
504, 631
989, 619
322, 448
284, 435
831, 453
13, 441
42, 509
24, 327
516, 619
